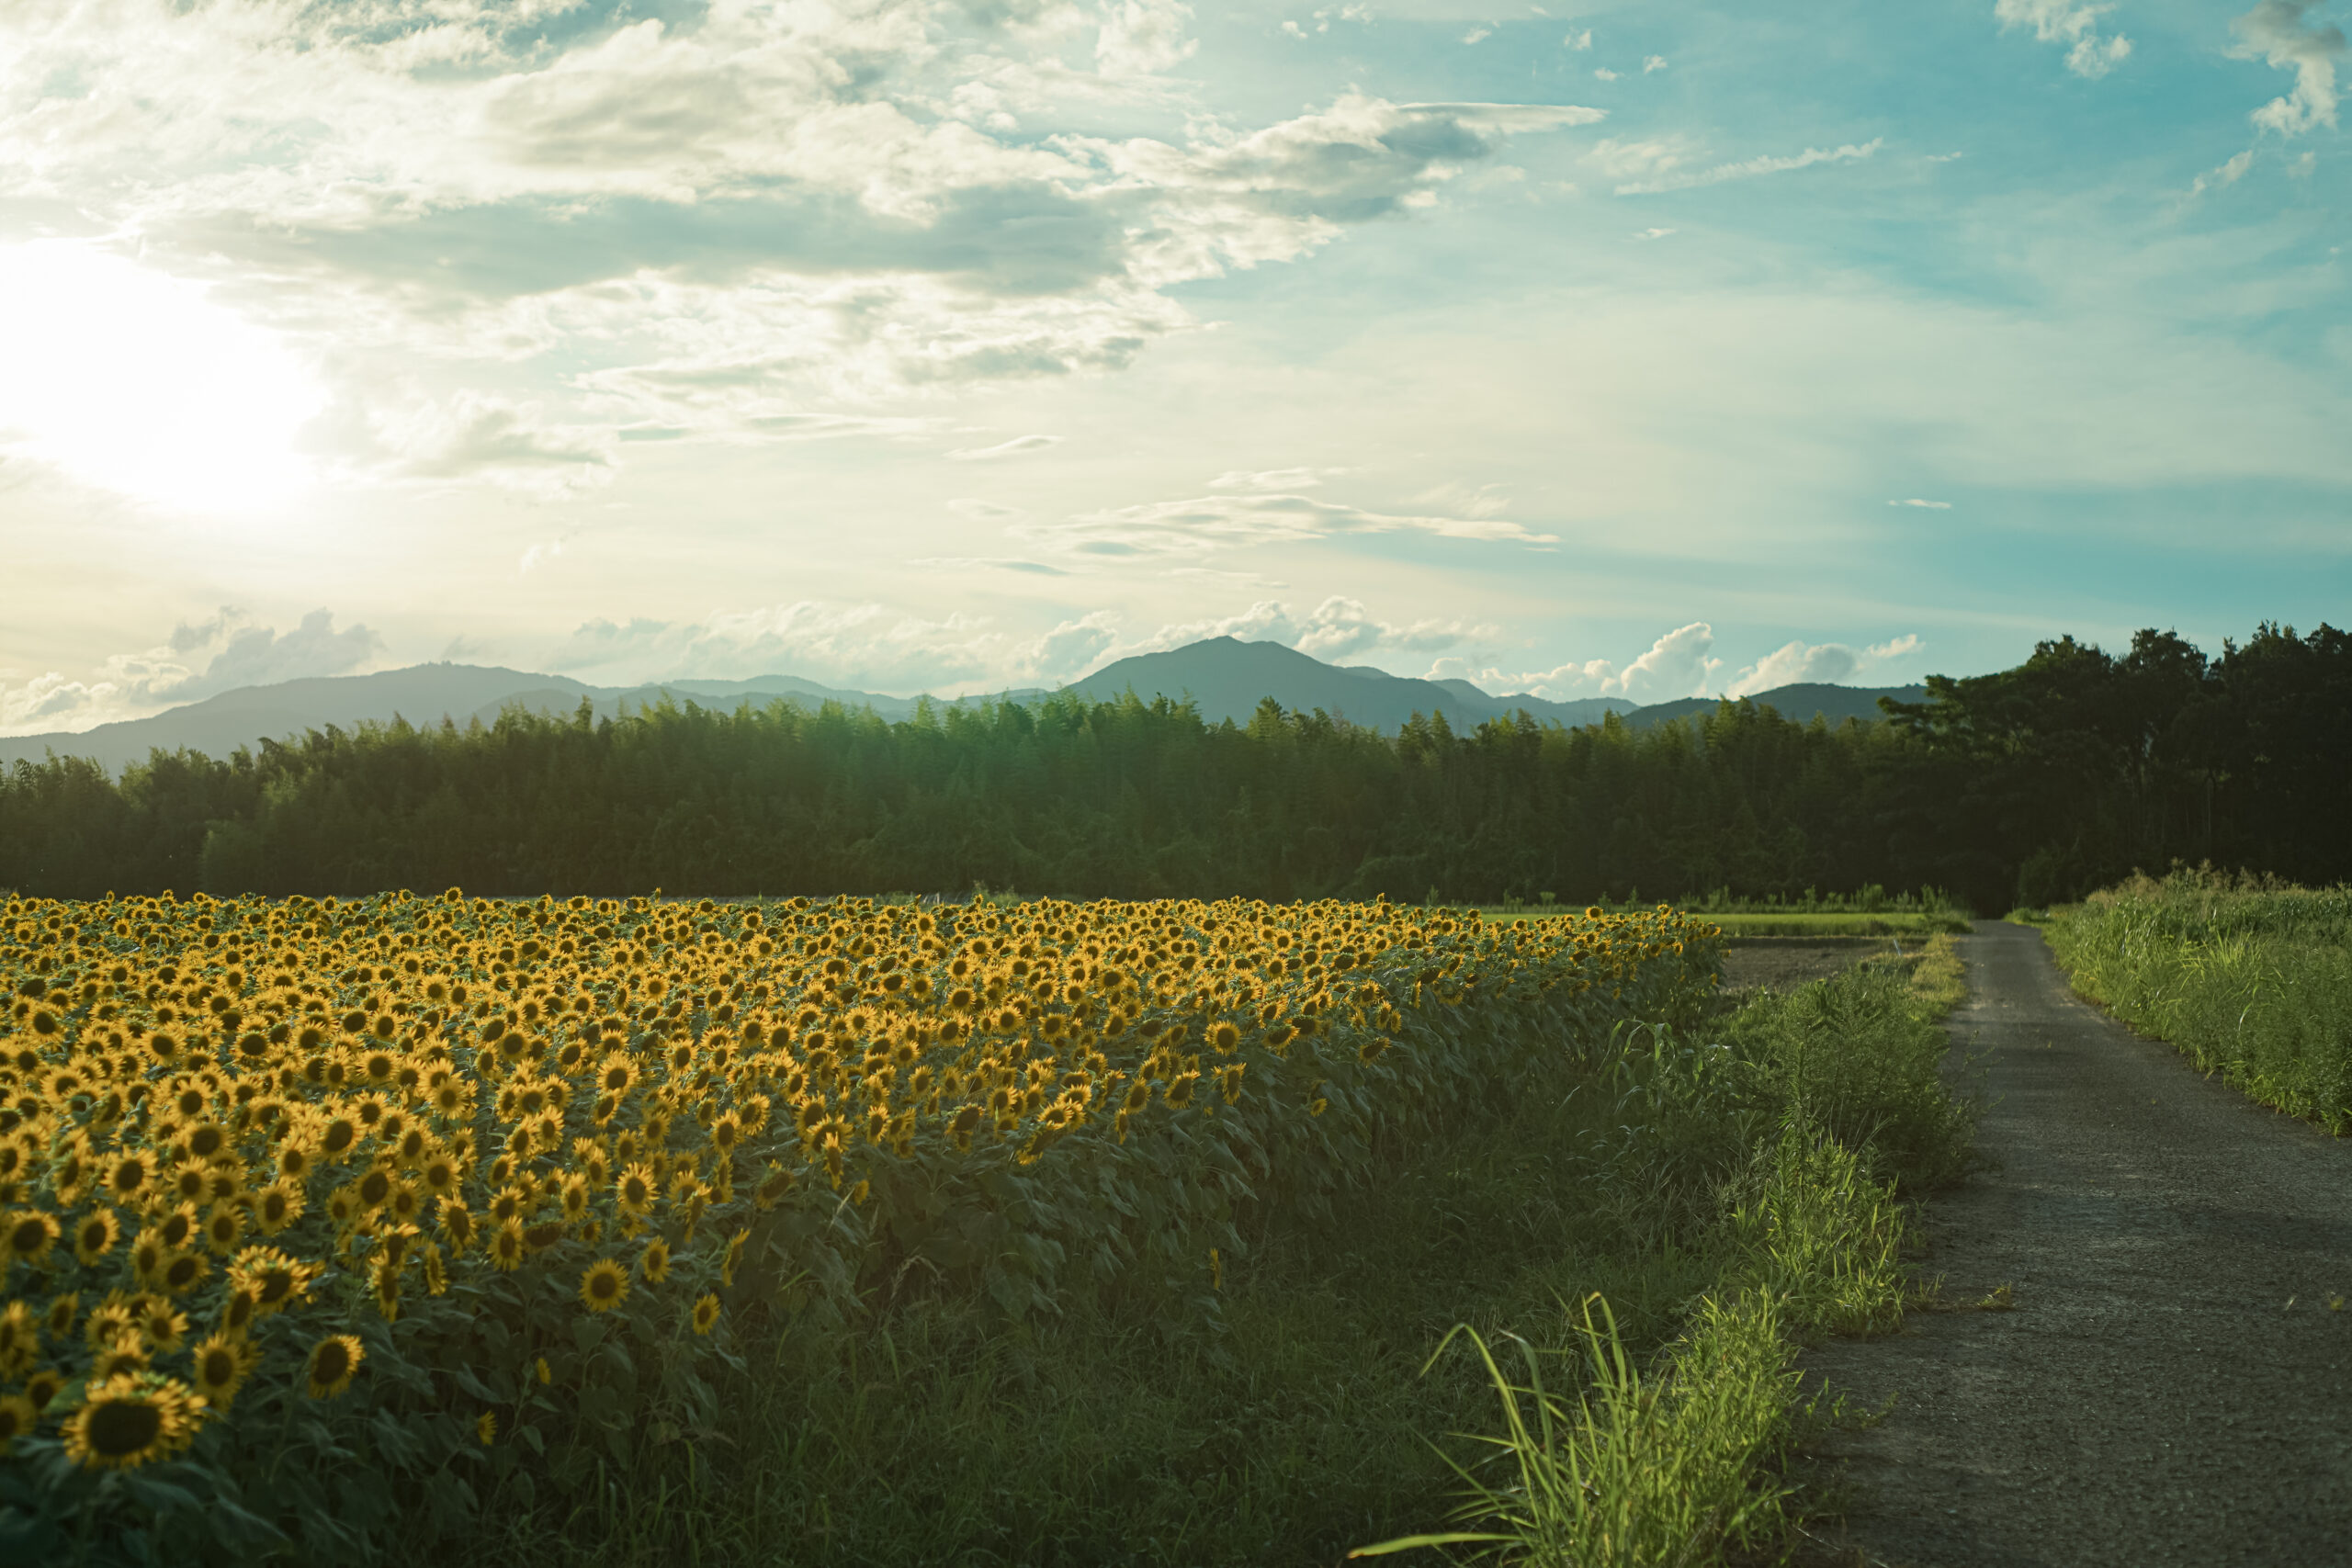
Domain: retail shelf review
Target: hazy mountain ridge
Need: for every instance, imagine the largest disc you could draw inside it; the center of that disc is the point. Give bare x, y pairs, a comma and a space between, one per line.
1227, 679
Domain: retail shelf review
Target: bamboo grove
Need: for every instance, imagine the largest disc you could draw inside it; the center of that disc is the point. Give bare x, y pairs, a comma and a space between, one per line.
2030, 785
322, 1219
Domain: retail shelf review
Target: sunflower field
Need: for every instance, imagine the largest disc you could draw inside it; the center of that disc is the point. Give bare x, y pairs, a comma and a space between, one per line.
325, 1222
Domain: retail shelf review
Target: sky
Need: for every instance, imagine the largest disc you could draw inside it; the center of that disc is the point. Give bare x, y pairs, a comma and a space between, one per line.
952, 345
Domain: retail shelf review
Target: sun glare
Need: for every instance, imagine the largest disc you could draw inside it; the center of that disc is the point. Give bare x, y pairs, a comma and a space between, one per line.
136, 382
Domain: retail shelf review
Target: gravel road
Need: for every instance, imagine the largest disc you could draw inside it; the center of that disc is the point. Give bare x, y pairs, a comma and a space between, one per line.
2173, 1385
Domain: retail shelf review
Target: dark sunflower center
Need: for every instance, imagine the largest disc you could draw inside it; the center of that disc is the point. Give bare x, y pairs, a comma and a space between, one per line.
219, 1367
26, 1236
119, 1428
333, 1361
275, 1284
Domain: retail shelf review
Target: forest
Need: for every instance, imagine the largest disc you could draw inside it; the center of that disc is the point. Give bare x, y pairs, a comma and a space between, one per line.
2023, 786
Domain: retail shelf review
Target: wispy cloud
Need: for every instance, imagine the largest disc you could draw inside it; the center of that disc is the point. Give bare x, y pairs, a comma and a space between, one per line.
1930, 505
1749, 168
1012, 448
1204, 524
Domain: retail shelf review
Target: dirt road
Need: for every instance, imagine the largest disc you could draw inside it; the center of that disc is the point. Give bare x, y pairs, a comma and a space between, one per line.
2172, 1386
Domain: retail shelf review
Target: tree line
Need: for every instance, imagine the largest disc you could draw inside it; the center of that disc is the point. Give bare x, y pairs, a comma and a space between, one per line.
2026, 785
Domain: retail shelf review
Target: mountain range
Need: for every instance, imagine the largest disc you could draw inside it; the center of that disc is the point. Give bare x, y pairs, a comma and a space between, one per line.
1225, 677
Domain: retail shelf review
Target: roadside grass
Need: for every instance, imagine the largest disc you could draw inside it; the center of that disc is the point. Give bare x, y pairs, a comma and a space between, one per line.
2250, 978
1623, 1260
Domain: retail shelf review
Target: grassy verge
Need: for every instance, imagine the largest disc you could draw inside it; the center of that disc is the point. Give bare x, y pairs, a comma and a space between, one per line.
1628, 1252
2251, 981
1799, 924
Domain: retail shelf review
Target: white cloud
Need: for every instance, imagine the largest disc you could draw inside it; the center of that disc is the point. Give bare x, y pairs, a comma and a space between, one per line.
1602, 73
1263, 479
1655, 63
1652, 233
196, 662
1069, 651
1352, 12
2228, 174
1579, 40
1012, 448
1679, 664
1141, 37
473, 435
1477, 35
1930, 505
861, 647
717, 221
2071, 22
1335, 631
1749, 168
1829, 663
2282, 33
551, 550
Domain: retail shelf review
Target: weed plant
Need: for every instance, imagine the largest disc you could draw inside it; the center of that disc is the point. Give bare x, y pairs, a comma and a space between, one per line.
2252, 979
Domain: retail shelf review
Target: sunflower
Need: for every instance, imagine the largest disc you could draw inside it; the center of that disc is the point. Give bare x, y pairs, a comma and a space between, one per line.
734, 1259
331, 1362
277, 1206
63, 1310
654, 1262
486, 1427
458, 1224
276, 1280
95, 1236
183, 1271
20, 1336
115, 1315
28, 1235
506, 1244
161, 1326
636, 1188
440, 1175
128, 1421
122, 1356
706, 1315
238, 1311
43, 1386
224, 1226
223, 1364
604, 1286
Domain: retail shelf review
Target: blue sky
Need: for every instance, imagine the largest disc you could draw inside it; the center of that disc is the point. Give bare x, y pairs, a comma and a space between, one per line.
1638, 350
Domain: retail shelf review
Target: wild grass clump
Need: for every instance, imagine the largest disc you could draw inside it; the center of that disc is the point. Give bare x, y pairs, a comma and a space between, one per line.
1862, 1058
2250, 978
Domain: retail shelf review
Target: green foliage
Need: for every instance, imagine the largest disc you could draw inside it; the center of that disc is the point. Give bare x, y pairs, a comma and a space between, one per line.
2252, 979
2026, 785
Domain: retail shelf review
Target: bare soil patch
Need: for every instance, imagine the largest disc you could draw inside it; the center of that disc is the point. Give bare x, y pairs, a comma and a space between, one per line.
2171, 1381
